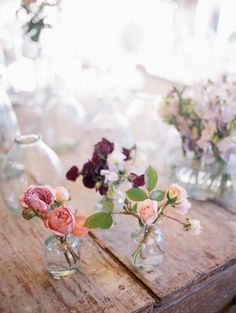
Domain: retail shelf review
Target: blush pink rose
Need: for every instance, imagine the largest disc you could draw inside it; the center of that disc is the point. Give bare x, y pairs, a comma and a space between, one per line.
38, 198
147, 211
182, 205
61, 220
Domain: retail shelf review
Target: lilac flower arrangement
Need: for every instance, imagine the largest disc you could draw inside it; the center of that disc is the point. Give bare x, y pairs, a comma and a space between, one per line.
205, 116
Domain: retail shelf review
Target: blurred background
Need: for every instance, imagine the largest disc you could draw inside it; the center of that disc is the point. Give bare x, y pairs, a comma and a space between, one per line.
76, 70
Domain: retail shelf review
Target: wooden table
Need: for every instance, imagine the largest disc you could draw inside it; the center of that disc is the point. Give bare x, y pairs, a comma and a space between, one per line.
198, 274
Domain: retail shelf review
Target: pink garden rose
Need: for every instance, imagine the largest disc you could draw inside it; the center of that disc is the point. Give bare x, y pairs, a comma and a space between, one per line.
147, 211
61, 220
38, 198
61, 194
182, 205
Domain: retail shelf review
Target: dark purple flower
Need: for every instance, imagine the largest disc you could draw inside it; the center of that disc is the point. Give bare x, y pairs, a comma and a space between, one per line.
103, 189
137, 181
73, 173
88, 168
102, 149
89, 182
127, 153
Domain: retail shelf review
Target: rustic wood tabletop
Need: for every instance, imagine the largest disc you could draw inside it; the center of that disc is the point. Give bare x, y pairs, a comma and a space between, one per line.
198, 274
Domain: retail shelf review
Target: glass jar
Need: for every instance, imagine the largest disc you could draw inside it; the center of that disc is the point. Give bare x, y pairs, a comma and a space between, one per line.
29, 162
8, 122
62, 121
146, 248
204, 180
62, 255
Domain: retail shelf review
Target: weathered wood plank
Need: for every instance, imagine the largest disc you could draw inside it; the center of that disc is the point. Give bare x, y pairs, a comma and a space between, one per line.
101, 285
190, 261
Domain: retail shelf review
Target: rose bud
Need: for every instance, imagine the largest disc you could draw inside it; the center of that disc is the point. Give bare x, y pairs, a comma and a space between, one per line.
61, 194
28, 214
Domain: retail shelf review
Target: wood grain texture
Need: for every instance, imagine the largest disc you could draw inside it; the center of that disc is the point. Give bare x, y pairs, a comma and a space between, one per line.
101, 285
191, 262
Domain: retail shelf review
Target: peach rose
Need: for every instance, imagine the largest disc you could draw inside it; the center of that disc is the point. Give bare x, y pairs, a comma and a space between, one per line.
61, 194
79, 229
147, 211
182, 205
38, 198
61, 220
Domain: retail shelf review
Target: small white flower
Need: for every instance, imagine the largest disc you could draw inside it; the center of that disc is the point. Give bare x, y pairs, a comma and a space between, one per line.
110, 176
195, 227
116, 160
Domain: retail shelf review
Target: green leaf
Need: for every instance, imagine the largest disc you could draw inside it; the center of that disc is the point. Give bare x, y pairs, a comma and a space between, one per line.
140, 223
99, 220
150, 178
157, 195
136, 194
108, 205
134, 209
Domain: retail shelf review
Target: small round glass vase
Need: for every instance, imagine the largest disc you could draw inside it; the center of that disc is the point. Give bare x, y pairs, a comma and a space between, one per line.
62, 255
146, 247
29, 162
203, 180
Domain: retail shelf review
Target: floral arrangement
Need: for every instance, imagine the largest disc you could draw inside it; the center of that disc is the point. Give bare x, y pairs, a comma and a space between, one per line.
107, 169
205, 116
50, 205
148, 205
105, 172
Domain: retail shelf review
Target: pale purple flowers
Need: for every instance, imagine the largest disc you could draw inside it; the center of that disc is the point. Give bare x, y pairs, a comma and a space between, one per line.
205, 116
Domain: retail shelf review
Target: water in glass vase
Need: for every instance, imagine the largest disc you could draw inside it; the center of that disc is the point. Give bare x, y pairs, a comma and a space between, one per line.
146, 249
62, 255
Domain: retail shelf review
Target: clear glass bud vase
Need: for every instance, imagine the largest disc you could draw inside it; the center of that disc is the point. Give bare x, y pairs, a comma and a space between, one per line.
29, 162
146, 248
205, 180
62, 255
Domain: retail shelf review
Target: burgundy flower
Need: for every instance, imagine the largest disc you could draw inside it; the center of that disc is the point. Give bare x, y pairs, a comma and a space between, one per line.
127, 153
73, 173
137, 181
88, 168
103, 189
102, 149
89, 182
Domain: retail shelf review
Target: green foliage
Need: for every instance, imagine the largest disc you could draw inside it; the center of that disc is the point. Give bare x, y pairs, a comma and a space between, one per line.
111, 192
99, 220
171, 200
108, 205
134, 208
157, 195
136, 194
150, 178
187, 225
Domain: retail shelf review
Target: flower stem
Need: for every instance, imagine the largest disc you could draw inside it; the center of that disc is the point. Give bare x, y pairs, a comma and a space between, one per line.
63, 242
173, 218
138, 251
